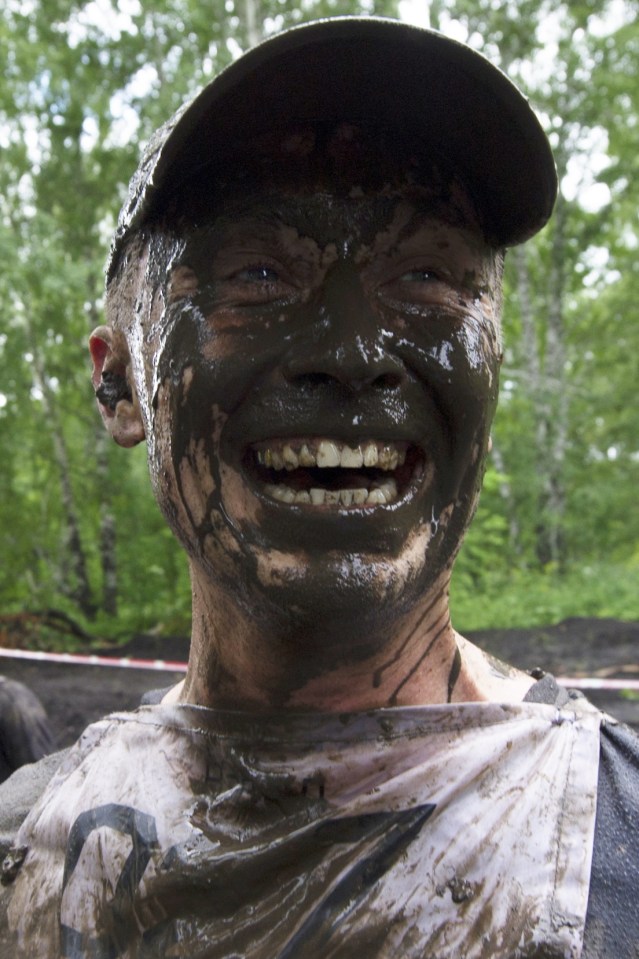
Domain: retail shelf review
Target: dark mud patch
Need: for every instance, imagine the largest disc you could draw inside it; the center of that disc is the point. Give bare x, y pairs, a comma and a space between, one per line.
75, 695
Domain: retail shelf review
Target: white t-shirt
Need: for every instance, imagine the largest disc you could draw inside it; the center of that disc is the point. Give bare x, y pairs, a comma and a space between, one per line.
436, 832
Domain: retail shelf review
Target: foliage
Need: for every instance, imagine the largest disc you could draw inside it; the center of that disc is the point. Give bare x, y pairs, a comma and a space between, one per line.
519, 597
84, 85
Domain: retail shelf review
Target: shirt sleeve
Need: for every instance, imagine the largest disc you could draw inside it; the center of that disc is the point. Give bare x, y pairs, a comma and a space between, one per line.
20, 792
17, 795
612, 921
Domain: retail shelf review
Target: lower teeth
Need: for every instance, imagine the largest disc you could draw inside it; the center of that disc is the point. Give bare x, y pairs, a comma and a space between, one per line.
381, 494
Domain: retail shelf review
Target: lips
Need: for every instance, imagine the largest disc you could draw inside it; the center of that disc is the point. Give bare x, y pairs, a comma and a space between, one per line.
326, 472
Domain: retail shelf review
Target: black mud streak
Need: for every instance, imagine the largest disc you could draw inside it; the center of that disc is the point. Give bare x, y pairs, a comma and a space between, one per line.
192, 421
377, 676
393, 698
323, 924
453, 676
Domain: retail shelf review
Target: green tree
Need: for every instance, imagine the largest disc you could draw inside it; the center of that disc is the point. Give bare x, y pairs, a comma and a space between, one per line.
567, 382
85, 84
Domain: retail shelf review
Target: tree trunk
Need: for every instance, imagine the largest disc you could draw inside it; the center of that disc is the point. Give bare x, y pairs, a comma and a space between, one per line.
555, 493
506, 493
76, 583
253, 26
108, 561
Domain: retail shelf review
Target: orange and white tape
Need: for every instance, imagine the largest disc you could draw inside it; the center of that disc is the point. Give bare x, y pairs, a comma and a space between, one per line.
77, 659
164, 665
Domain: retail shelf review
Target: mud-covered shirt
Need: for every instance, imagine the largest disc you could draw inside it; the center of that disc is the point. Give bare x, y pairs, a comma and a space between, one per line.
461, 830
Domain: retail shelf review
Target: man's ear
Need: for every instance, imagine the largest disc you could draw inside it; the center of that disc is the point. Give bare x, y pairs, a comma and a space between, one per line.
113, 385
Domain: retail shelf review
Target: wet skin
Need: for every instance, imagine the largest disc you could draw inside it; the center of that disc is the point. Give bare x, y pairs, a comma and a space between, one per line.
302, 316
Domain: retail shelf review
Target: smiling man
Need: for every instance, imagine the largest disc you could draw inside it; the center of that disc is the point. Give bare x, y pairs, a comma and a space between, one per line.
303, 323
318, 385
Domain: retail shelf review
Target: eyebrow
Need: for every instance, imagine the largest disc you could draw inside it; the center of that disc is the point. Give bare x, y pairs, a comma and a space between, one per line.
269, 215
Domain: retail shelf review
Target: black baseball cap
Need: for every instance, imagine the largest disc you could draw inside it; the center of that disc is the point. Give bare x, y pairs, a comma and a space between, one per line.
364, 70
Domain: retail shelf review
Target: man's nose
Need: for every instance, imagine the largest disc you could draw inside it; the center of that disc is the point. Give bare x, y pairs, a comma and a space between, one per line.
346, 341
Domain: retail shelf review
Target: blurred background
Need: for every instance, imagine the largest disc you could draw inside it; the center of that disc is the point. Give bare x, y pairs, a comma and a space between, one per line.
84, 550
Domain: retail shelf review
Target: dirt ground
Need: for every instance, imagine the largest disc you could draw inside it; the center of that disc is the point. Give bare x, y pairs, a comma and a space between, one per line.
76, 695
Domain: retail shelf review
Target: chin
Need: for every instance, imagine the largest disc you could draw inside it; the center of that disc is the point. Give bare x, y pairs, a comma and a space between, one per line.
343, 600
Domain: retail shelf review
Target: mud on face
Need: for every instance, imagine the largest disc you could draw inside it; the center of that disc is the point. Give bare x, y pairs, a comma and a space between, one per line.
318, 354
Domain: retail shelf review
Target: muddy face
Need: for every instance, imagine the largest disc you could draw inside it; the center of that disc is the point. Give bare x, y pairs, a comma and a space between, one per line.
319, 373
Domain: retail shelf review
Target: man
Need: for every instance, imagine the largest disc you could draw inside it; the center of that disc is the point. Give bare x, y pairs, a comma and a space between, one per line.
303, 311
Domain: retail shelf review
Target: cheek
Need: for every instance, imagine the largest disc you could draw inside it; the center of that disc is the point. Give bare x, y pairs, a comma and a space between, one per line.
206, 368
234, 356
477, 356
182, 460
195, 481
458, 361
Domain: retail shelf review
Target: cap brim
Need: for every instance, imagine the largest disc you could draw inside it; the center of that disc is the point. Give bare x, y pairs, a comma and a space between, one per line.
368, 70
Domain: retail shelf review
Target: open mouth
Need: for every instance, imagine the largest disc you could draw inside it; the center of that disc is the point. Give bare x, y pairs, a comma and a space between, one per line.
328, 472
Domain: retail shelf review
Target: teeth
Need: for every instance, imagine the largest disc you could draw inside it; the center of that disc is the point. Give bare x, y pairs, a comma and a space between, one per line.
379, 495
370, 454
351, 458
306, 457
328, 454
362, 490
291, 461
387, 489
280, 492
277, 461
388, 458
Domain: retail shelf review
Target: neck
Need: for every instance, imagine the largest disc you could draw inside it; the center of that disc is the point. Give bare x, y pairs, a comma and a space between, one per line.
248, 662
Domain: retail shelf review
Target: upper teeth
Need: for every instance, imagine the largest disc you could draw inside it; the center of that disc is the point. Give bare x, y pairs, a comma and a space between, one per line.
331, 453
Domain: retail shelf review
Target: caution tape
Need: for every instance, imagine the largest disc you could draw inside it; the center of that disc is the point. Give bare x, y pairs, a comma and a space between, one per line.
593, 682
165, 665
78, 659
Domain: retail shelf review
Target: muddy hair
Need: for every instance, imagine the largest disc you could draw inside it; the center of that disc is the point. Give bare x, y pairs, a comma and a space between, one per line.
124, 285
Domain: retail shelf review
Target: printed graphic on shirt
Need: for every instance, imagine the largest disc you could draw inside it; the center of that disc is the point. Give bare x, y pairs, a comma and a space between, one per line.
387, 835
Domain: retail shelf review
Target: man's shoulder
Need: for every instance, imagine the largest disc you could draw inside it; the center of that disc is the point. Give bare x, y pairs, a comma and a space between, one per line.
612, 927
105, 748
18, 795
22, 791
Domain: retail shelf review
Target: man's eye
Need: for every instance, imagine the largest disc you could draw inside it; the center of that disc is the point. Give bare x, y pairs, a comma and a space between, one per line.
418, 276
417, 287
257, 274
246, 283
